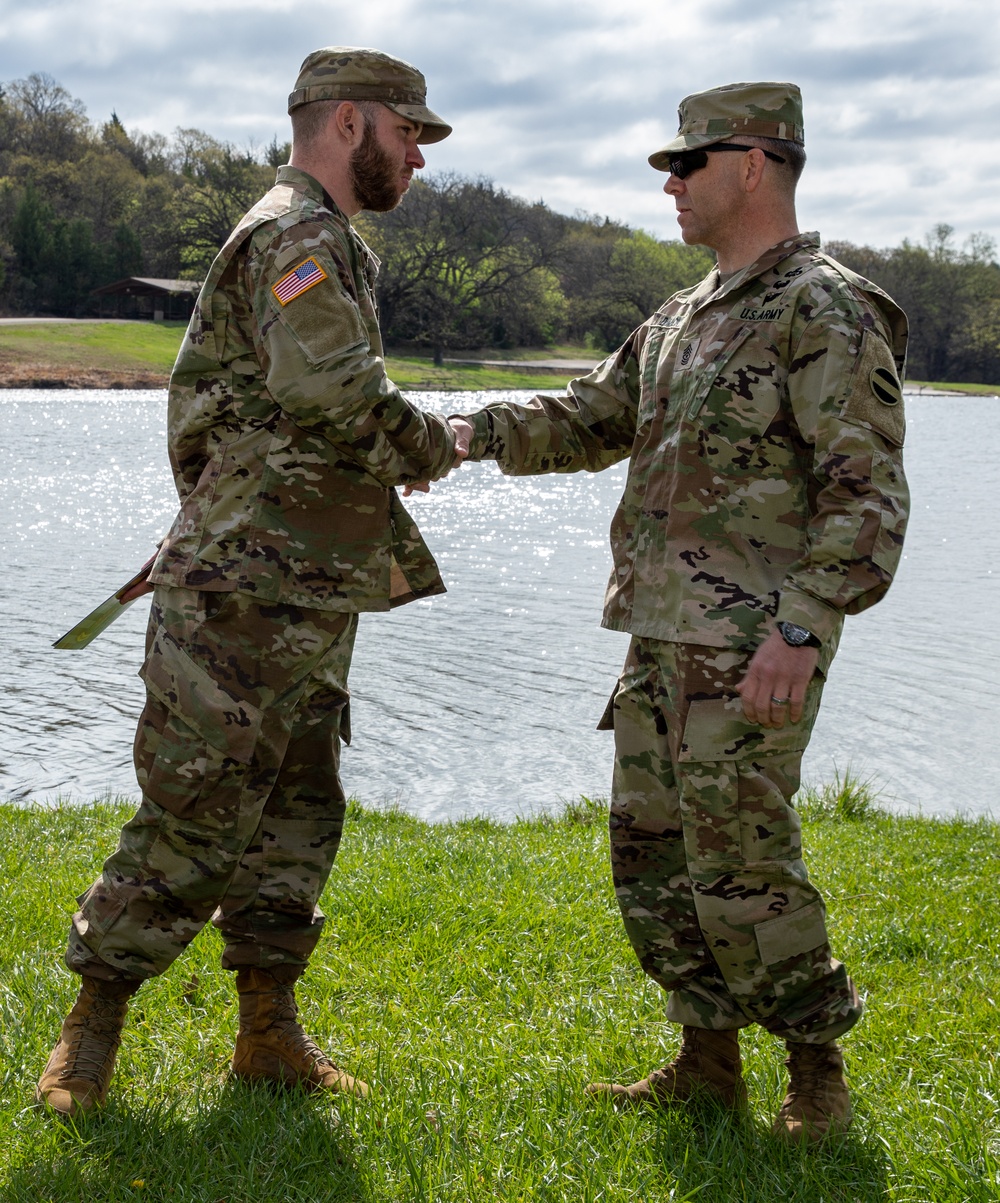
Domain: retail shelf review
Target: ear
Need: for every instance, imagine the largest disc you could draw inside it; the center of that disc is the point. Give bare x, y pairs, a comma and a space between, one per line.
349, 122
754, 169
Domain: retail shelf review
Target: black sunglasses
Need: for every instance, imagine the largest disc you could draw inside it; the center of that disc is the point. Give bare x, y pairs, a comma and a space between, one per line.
685, 161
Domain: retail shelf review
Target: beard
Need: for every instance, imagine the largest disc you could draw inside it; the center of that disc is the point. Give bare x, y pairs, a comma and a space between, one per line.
374, 176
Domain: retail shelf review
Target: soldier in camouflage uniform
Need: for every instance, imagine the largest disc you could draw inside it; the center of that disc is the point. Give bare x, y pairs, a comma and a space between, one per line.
762, 414
287, 441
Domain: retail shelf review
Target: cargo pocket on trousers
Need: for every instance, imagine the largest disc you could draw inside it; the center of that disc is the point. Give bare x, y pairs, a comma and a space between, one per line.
104, 904
204, 732
717, 729
790, 947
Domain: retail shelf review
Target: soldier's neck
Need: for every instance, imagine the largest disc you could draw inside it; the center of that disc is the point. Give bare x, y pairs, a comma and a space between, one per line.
334, 175
746, 243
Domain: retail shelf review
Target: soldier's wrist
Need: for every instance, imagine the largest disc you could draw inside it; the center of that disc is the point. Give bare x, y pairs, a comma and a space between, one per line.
798, 636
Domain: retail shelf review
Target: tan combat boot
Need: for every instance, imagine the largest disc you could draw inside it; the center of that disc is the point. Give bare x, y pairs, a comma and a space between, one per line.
79, 1068
707, 1065
818, 1103
271, 1044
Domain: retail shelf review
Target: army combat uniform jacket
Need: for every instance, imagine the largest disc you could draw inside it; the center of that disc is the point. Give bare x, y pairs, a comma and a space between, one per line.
286, 438
764, 419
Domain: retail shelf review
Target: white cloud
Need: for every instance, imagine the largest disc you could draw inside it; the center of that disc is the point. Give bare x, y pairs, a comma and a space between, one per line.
565, 101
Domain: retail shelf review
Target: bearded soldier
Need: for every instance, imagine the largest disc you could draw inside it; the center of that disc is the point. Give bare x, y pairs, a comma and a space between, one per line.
762, 415
286, 442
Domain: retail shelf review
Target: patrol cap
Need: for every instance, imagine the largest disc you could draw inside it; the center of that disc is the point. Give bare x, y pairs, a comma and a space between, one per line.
766, 110
357, 73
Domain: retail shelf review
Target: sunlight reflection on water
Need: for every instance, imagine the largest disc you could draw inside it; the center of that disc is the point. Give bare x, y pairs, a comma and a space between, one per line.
485, 700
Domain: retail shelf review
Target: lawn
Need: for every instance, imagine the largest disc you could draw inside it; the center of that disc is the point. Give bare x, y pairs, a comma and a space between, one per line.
85, 354
477, 975
141, 354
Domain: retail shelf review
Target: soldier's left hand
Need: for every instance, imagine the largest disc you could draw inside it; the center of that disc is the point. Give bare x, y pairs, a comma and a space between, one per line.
140, 584
774, 686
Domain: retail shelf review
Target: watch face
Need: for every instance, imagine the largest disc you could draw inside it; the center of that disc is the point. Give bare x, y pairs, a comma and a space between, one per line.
795, 635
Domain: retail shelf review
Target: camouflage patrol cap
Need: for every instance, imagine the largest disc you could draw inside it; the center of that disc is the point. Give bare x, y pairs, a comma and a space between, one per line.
766, 110
357, 73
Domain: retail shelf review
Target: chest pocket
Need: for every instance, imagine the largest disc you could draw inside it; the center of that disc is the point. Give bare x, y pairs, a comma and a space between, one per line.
740, 397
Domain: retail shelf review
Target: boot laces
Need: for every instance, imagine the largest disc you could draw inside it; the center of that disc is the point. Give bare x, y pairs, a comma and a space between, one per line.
295, 1039
94, 1040
810, 1070
291, 1033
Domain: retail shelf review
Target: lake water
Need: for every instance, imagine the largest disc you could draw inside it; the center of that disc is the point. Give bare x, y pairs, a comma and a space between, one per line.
484, 701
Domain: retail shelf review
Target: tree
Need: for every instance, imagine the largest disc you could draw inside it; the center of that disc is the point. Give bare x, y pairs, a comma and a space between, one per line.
43, 119
57, 259
221, 184
459, 259
637, 274
123, 256
947, 292
277, 154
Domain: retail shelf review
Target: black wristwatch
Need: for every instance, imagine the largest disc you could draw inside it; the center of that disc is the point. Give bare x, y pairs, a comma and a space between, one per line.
796, 636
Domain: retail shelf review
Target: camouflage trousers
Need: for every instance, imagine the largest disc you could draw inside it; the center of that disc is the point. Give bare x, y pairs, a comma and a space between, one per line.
706, 850
237, 754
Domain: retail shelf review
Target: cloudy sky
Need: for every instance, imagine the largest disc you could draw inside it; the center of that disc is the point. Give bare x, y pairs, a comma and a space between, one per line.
562, 100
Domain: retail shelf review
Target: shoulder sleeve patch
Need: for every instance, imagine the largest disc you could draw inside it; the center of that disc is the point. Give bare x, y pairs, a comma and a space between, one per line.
875, 398
299, 280
885, 386
328, 323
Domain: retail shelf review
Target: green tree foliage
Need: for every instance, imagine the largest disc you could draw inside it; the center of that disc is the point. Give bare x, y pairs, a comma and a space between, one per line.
951, 295
220, 184
84, 205
465, 265
623, 277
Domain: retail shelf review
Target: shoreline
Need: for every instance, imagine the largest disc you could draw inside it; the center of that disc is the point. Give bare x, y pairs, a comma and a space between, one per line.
457, 381
119, 355
96, 378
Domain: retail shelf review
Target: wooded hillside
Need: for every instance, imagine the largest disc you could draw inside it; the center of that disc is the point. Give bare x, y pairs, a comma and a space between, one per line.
464, 264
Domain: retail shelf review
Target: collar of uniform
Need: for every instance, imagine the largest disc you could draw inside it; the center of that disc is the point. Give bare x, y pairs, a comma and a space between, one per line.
302, 181
374, 262
770, 258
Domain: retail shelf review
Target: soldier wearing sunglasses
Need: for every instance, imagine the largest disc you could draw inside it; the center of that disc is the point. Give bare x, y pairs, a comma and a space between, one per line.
762, 415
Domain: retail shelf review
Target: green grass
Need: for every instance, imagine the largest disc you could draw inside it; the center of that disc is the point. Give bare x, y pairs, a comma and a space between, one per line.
55, 347
477, 975
53, 351
80, 353
414, 373
988, 390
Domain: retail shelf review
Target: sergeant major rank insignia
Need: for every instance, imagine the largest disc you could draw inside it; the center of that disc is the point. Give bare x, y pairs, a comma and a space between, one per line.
299, 280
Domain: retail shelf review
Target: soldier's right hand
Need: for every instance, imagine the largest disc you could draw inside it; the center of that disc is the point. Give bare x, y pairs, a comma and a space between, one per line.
463, 439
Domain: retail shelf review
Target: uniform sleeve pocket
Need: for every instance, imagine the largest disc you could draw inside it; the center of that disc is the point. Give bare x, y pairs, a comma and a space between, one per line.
791, 934
875, 400
185, 688
887, 477
320, 316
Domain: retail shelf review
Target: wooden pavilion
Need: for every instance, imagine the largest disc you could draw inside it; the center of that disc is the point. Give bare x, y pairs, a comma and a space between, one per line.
147, 299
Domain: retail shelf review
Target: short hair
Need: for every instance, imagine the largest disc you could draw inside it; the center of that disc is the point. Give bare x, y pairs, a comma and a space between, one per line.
793, 153
310, 120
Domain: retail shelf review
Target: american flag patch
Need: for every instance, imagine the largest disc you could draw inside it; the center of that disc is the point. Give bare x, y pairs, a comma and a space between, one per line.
298, 280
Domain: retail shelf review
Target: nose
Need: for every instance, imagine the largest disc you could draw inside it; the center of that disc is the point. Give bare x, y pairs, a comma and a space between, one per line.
414, 157
674, 185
